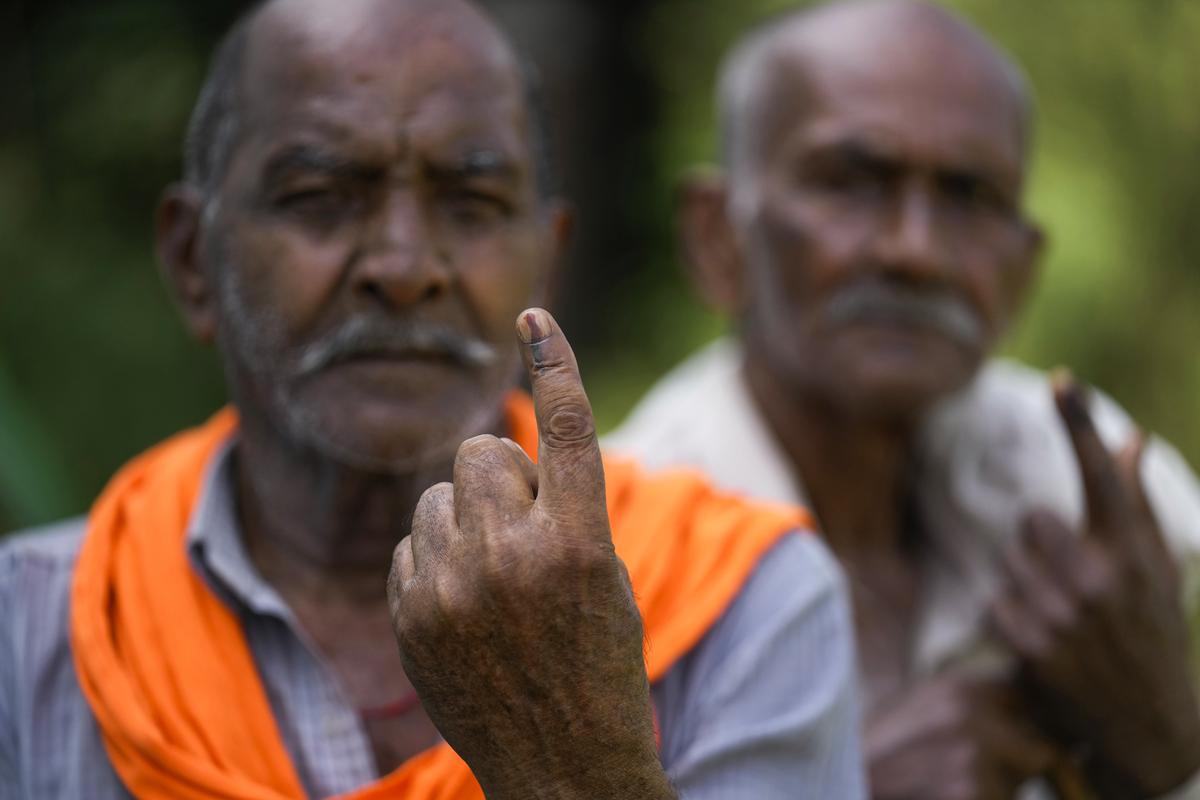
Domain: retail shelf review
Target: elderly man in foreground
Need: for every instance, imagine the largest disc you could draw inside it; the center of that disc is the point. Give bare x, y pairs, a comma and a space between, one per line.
363, 217
1018, 611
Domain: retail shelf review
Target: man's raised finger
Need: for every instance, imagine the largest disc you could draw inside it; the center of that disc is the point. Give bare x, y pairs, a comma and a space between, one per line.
1107, 503
570, 473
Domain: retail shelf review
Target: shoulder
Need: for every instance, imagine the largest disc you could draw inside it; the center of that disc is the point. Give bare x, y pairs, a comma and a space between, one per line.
45, 551
660, 430
35, 586
797, 576
792, 607
772, 684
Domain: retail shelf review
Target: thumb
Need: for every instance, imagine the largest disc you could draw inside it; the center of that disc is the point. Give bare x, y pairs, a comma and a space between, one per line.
570, 473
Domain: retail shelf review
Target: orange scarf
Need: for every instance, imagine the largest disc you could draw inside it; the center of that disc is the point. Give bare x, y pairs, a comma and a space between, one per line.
170, 678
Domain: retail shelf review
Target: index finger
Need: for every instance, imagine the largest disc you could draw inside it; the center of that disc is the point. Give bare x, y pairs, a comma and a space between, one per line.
1105, 494
570, 473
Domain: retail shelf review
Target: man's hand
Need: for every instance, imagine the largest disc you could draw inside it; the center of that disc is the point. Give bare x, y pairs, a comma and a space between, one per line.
515, 618
1098, 623
954, 738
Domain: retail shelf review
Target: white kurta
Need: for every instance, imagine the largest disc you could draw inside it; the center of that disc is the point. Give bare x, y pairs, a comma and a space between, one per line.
987, 456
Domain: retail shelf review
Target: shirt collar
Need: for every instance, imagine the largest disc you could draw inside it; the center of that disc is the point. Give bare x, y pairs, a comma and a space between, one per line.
216, 546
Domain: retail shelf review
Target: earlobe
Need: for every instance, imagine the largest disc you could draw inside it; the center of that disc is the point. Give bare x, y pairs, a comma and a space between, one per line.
560, 227
708, 244
1035, 244
177, 232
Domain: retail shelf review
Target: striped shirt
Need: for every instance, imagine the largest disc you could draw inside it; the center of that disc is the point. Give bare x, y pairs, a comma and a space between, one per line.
763, 707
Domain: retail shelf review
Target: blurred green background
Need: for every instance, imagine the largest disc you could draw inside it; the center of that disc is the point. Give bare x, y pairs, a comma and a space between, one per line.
94, 98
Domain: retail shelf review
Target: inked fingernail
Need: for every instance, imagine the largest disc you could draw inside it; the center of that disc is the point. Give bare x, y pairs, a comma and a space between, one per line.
1071, 395
533, 326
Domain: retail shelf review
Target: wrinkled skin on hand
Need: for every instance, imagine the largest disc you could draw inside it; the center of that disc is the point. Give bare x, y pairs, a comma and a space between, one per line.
1098, 623
515, 617
955, 738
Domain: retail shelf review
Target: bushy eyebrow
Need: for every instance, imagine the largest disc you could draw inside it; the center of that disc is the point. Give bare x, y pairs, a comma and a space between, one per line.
871, 155
855, 151
299, 159
475, 164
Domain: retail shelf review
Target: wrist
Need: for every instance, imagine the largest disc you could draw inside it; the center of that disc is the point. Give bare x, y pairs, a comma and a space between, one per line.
582, 779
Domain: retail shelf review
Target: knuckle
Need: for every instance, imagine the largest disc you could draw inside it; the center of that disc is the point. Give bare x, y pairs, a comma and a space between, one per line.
435, 496
1038, 643
428, 518
1062, 616
395, 592
456, 600
479, 449
407, 622
969, 756
549, 364
502, 564
401, 564
1098, 580
576, 551
478, 446
569, 423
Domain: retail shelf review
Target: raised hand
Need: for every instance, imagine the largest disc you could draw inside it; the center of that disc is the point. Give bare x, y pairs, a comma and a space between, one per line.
1098, 622
954, 738
515, 618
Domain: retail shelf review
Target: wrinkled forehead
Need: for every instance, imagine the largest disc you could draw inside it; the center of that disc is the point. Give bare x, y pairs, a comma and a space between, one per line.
929, 95
378, 64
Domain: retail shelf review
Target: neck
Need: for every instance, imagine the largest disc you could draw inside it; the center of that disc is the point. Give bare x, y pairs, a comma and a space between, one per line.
319, 528
854, 469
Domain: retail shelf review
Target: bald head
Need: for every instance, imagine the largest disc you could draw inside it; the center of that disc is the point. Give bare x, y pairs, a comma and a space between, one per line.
899, 45
266, 40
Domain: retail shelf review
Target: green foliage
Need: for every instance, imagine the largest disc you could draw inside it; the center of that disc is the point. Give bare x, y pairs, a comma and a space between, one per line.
94, 366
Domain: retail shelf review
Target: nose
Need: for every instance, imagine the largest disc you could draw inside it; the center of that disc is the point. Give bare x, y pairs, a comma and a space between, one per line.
910, 246
399, 265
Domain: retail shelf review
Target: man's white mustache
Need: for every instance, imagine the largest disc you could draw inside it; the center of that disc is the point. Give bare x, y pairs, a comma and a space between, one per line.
363, 336
940, 311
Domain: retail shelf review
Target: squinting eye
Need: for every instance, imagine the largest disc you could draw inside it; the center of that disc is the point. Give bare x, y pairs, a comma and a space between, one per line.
321, 206
846, 180
967, 191
474, 208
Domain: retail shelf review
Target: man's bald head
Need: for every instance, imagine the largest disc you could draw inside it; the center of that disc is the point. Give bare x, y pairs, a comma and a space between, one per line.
218, 117
887, 36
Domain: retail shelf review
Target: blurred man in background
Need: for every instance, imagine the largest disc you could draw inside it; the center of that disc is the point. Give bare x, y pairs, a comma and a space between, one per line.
1018, 611
364, 213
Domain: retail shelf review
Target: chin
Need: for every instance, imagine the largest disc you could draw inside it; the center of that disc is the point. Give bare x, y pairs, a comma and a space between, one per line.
897, 385
389, 436
903, 394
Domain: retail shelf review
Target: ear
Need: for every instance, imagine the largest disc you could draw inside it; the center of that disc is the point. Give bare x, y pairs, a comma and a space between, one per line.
177, 224
707, 240
559, 230
1025, 274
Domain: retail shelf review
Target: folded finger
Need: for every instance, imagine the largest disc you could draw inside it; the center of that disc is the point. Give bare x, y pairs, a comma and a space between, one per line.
1105, 495
433, 528
489, 485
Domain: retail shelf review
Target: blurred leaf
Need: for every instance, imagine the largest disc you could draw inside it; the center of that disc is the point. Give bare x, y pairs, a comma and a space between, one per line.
32, 485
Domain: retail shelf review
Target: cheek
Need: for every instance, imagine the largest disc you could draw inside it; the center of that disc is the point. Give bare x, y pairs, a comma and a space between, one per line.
500, 276
997, 268
803, 248
285, 274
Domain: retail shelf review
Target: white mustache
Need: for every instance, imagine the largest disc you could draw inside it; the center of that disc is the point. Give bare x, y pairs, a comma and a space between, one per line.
936, 310
365, 336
